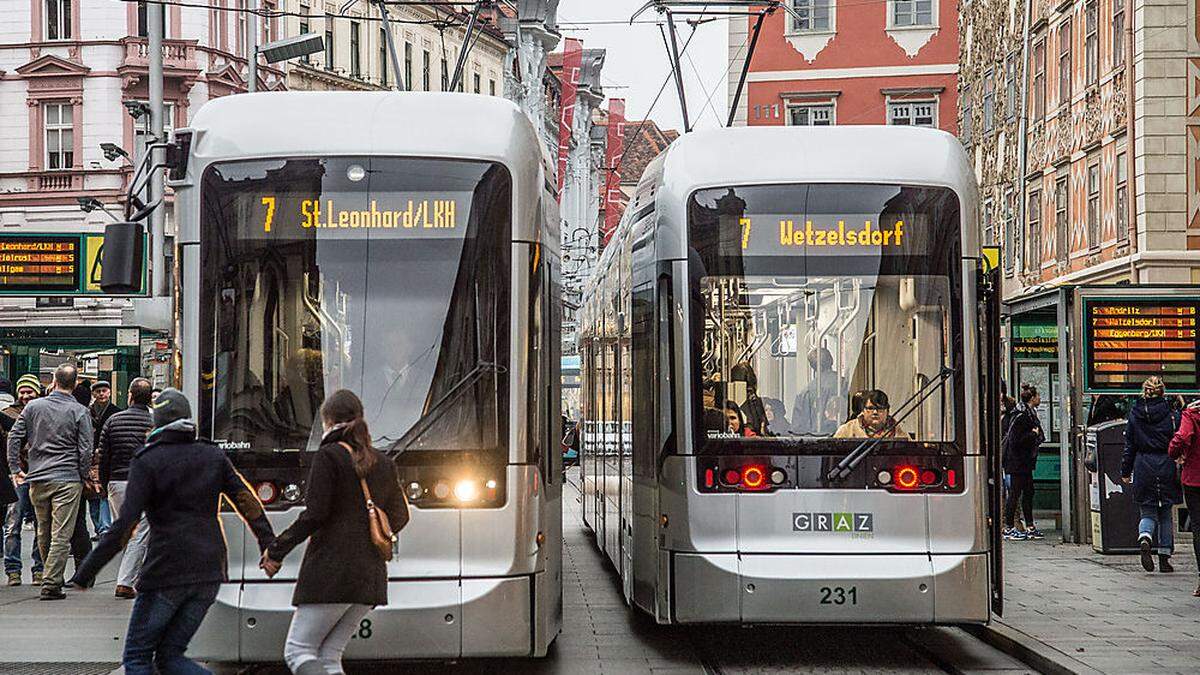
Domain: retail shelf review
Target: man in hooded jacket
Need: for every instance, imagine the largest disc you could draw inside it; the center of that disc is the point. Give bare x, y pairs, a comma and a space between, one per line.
1145, 463
178, 480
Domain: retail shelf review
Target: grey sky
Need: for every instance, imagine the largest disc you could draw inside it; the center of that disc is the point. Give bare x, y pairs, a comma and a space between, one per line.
637, 59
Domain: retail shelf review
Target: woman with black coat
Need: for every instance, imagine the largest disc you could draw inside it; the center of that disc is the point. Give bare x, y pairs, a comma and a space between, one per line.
343, 574
1151, 424
1021, 444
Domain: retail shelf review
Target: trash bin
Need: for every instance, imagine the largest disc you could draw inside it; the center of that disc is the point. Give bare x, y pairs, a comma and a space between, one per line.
1114, 515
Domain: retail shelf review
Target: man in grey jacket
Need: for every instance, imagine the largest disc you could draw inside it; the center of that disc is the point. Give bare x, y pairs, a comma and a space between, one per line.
59, 433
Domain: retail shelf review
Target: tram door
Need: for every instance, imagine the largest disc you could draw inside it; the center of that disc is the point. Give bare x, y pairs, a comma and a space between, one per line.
989, 416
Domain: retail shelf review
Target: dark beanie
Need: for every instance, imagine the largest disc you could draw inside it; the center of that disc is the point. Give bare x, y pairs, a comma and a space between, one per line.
5, 385
171, 406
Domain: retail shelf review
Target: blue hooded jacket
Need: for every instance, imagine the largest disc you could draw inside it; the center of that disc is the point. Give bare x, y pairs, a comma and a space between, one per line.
1148, 432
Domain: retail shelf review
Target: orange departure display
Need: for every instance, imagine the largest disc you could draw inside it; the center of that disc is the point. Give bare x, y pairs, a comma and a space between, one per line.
39, 264
1128, 340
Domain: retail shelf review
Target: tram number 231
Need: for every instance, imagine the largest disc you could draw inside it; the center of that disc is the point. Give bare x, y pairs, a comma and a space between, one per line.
839, 595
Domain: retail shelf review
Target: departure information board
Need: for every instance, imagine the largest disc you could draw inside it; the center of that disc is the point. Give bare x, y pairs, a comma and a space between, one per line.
51, 264
1128, 340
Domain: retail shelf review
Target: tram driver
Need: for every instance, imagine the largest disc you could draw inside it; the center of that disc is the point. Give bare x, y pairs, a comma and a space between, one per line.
875, 420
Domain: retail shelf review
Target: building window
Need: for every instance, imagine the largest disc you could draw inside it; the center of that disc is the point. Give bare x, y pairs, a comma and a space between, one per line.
1010, 83
912, 113
1061, 225
491, 87
143, 19
59, 124
912, 13
1039, 80
1093, 205
425, 69
966, 131
1064, 62
1091, 41
478, 84
1118, 26
243, 27
408, 57
305, 27
1122, 200
445, 75
989, 102
58, 19
355, 50
813, 16
989, 225
1033, 232
1009, 253
266, 21
383, 58
328, 42
810, 115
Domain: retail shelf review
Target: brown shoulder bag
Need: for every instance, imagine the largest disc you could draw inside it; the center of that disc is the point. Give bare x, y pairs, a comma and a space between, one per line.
382, 536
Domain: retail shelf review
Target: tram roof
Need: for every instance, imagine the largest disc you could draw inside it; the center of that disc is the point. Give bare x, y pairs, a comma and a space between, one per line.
468, 126
834, 154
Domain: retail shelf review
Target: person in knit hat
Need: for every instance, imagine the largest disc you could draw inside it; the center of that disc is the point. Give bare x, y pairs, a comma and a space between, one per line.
28, 387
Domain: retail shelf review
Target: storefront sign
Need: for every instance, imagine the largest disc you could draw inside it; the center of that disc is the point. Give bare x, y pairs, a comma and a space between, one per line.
1128, 340
51, 264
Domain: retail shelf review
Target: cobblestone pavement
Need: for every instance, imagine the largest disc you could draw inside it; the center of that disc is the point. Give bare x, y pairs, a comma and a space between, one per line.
600, 636
1104, 611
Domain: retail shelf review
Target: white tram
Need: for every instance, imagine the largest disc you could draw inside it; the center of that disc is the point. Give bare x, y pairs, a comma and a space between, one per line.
763, 283
405, 246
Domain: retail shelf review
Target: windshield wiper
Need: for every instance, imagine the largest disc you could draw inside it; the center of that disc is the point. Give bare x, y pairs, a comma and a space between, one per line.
864, 449
435, 411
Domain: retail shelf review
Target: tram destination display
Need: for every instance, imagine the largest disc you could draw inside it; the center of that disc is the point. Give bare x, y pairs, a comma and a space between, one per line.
409, 215
1130, 339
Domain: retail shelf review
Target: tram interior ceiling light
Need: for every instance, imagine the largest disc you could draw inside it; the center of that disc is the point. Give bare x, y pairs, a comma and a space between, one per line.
292, 48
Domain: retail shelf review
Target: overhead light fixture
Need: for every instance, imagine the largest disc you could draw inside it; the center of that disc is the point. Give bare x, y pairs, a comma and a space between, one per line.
292, 48
112, 151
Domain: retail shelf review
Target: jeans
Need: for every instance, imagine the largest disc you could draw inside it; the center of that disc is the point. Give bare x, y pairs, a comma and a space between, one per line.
1158, 518
320, 633
161, 626
17, 514
57, 509
101, 516
1020, 488
1191, 497
135, 550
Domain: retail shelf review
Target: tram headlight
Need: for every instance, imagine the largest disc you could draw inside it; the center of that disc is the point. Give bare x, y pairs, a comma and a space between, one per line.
466, 490
267, 492
414, 491
441, 489
291, 492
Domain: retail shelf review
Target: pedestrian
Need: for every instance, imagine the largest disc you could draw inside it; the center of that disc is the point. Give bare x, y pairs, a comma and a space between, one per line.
178, 481
101, 408
1185, 449
59, 434
1146, 465
121, 437
28, 388
6, 395
1020, 450
343, 574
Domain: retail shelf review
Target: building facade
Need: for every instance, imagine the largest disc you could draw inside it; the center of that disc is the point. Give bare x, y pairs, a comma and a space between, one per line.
837, 62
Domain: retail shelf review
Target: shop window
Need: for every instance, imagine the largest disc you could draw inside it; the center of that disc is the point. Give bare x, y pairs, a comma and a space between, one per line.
59, 127
810, 115
912, 13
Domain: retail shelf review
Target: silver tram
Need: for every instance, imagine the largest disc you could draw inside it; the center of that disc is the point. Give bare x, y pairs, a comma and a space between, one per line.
405, 246
762, 284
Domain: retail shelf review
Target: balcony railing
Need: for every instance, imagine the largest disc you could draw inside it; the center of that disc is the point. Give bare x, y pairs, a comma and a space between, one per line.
177, 54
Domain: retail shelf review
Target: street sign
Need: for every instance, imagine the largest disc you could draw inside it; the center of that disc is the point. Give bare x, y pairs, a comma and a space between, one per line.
43, 264
1126, 340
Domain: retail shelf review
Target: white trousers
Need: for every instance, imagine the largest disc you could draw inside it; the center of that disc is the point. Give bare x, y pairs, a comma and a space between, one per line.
135, 550
320, 633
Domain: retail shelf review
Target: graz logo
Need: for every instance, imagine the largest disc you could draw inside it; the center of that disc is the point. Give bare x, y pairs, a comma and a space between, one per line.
833, 522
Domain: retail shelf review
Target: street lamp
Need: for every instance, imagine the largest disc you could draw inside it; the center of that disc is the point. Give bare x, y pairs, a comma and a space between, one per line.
292, 48
89, 204
112, 151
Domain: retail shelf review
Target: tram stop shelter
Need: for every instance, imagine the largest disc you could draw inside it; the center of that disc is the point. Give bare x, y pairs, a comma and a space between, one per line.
1088, 348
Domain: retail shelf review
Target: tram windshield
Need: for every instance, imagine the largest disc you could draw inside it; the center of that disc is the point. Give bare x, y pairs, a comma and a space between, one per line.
386, 276
825, 312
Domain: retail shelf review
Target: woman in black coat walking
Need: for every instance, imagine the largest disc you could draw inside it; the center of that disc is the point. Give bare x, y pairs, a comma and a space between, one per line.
1022, 440
1151, 424
343, 574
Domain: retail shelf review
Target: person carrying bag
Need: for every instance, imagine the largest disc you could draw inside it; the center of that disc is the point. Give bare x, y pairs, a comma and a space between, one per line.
353, 507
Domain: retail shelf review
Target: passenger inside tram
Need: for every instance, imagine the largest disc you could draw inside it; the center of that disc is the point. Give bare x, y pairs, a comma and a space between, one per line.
735, 421
875, 420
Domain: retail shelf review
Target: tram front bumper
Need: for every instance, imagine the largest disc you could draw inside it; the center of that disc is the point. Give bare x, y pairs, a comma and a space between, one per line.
830, 588
424, 619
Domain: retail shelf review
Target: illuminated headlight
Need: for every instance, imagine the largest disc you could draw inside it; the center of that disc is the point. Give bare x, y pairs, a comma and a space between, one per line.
491, 485
884, 477
466, 490
291, 492
414, 491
